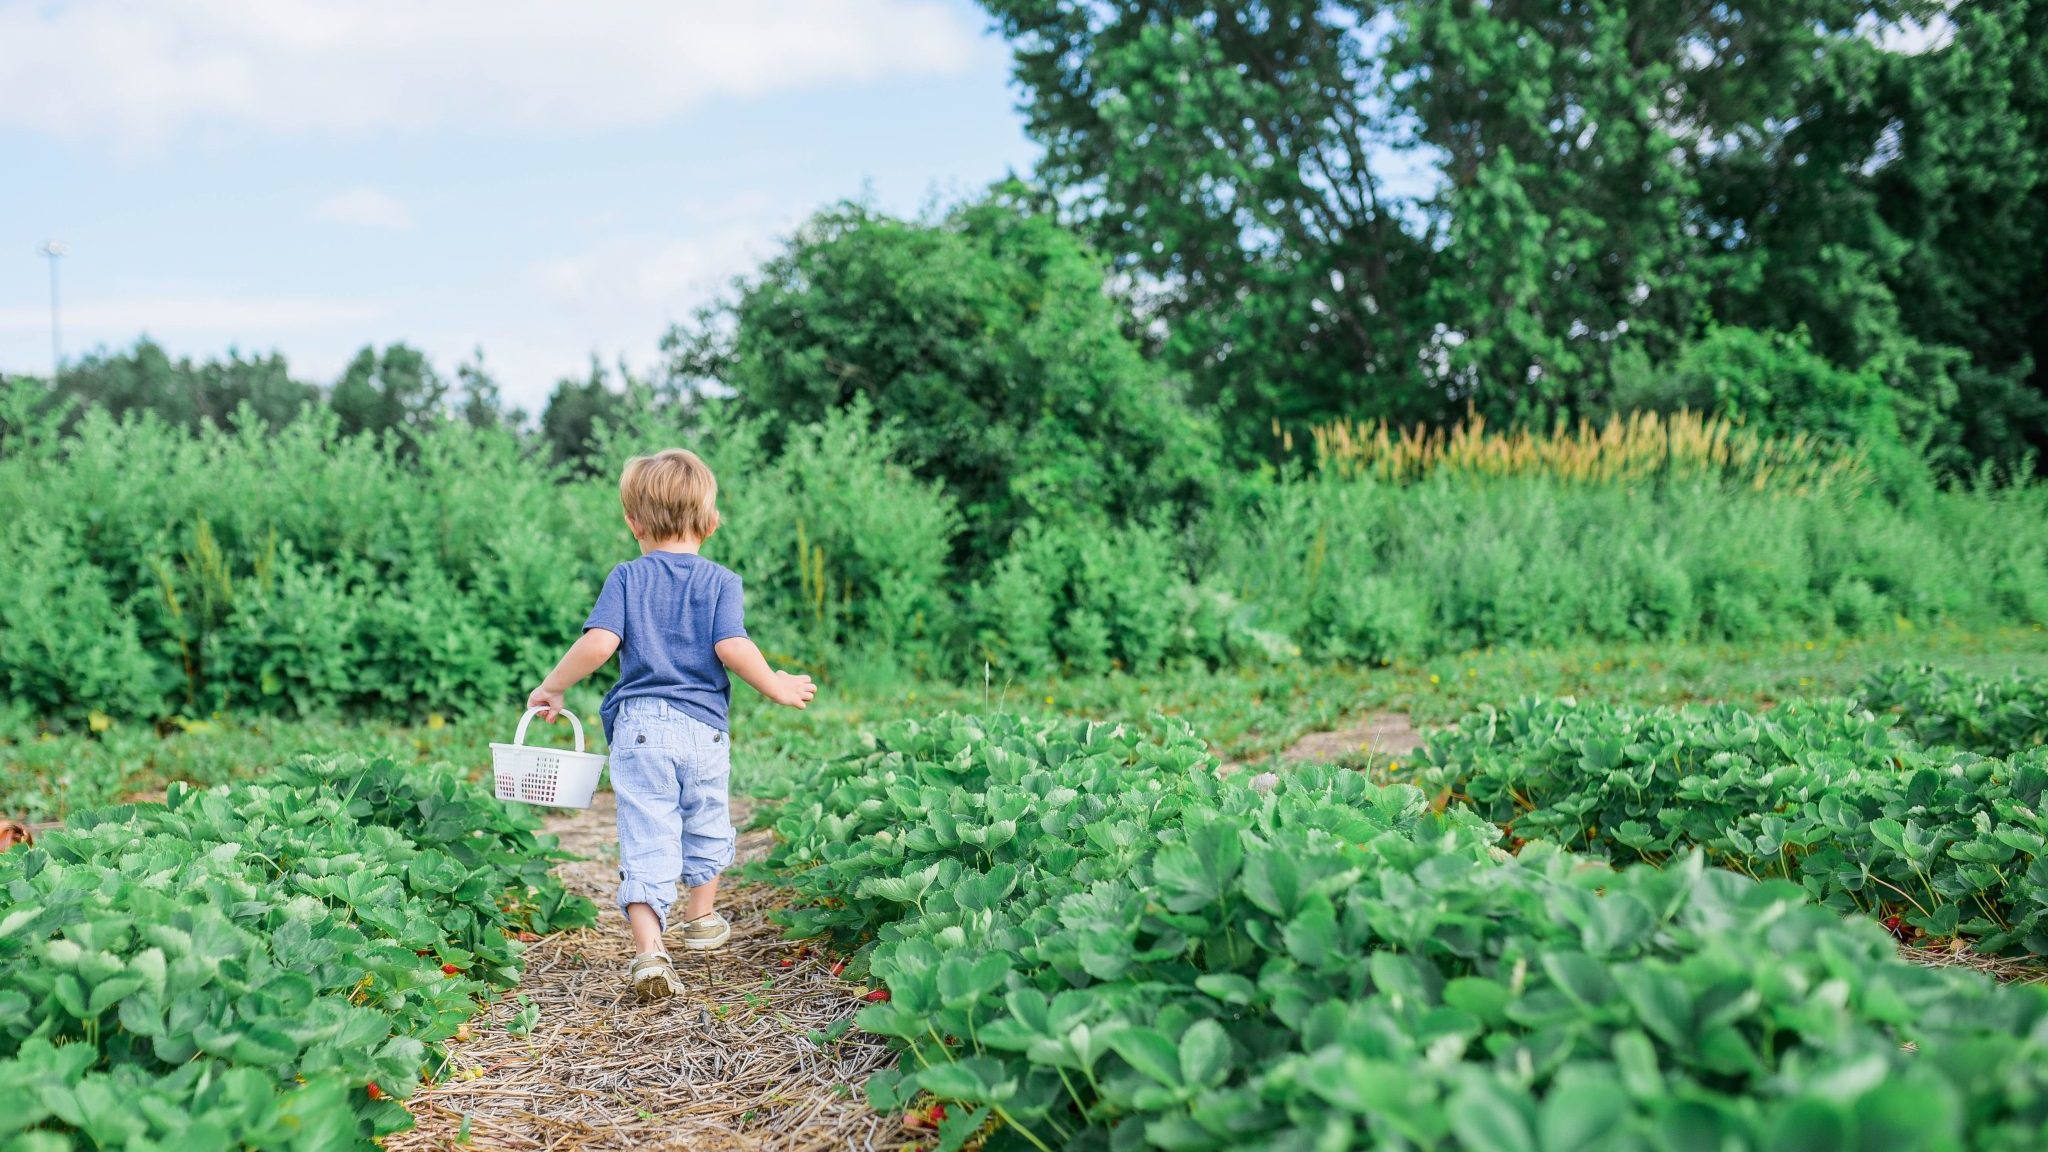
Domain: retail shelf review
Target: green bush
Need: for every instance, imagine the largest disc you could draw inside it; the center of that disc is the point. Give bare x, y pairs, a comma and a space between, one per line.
988, 338
1087, 940
1086, 598
1358, 569
301, 572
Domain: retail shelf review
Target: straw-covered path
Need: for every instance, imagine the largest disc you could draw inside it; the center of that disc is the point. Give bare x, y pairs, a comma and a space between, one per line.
733, 1064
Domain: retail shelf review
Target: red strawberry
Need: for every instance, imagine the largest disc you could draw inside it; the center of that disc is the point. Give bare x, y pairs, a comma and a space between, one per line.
838, 966
450, 970
937, 1113
785, 964
877, 996
375, 1092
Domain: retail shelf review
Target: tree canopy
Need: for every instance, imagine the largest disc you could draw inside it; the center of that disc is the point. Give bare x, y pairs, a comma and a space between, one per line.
986, 336
1401, 208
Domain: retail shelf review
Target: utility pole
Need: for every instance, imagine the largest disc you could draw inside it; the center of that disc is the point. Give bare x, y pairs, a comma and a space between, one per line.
54, 251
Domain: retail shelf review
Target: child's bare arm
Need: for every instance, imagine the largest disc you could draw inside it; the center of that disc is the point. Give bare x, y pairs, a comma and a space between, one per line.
585, 656
743, 657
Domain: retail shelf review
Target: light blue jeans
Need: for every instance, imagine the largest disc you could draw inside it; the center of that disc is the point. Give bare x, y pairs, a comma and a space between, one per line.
671, 773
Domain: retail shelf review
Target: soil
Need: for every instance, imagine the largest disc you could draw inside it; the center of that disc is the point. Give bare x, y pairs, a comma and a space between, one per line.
1376, 737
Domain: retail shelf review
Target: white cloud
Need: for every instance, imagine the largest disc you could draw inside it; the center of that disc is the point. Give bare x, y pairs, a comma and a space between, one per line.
235, 316
140, 72
618, 296
365, 207
639, 283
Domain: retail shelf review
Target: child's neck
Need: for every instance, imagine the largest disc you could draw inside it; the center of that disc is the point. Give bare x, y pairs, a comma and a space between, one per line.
679, 544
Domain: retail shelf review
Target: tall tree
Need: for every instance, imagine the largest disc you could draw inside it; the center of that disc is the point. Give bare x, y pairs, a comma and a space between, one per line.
1238, 160
482, 402
396, 390
1603, 177
568, 425
146, 378
1966, 192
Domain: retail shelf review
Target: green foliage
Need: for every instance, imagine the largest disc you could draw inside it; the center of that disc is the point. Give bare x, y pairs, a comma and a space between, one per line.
986, 339
1091, 941
1239, 160
1940, 707
146, 379
239, 968
1088, 599
49, 776
1968, 195
1393, 208
1357, 570
1823, 794
395, 390
303, 572
1772, 383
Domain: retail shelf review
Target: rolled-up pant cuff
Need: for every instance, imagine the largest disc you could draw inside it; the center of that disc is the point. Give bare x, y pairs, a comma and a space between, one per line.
655, 896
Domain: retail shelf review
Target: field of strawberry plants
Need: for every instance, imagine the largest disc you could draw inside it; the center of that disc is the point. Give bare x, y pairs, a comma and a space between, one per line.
263, 966
1081, 937
1539, 937
1895, 822
1996, 716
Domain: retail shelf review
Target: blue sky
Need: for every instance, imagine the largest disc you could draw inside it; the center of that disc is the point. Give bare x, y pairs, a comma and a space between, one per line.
541, 179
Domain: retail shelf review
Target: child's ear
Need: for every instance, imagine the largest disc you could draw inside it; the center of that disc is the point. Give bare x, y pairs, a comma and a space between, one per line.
632, 527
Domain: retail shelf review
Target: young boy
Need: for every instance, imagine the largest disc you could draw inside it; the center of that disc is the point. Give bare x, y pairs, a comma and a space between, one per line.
677, 622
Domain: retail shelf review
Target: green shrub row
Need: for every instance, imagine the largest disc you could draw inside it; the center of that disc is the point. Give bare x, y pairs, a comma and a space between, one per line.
1370, 572
299, 572
263, 966
1085, 939
1825, 794
303, 573
1993, 715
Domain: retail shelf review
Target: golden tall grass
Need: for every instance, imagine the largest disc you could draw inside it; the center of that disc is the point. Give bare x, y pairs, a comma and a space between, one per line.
1628, 448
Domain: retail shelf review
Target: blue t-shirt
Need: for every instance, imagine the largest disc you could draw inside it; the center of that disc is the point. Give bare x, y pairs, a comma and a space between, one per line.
669, 610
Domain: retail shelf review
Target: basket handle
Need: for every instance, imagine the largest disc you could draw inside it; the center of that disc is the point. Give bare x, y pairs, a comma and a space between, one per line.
519, 737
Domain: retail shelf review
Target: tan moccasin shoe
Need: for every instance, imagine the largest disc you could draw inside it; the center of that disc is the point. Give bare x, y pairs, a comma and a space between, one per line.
706, 932
654, 977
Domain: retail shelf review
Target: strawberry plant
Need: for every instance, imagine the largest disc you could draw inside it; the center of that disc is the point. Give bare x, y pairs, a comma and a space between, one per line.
1091, 941
1996, 717
261, 965
1823, 794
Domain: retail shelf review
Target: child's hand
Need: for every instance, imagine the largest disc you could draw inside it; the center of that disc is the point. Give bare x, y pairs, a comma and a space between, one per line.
549, 702
793, 691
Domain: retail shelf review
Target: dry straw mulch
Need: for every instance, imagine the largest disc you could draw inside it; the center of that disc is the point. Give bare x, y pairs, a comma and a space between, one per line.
729, 1065
1958, 954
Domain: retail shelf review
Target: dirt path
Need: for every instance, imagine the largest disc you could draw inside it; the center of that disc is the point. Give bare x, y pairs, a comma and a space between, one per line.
729, 1065
1373, 742
1376, 737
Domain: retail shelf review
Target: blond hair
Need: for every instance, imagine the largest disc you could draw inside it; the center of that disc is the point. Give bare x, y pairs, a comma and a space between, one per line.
670, 495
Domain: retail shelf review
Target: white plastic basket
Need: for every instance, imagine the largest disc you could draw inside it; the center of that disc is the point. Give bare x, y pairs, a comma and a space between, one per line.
546, 776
